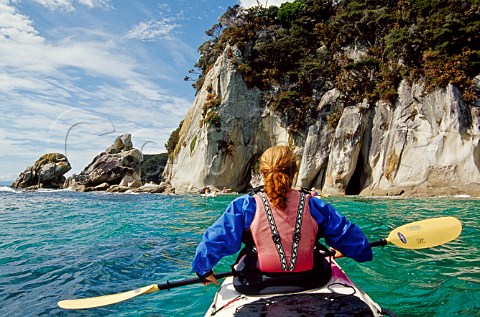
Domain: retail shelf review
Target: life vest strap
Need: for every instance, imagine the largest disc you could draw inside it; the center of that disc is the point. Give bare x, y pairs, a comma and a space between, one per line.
297, 233
276, 236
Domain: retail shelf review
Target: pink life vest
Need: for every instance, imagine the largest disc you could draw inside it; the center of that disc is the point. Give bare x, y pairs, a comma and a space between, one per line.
286, 253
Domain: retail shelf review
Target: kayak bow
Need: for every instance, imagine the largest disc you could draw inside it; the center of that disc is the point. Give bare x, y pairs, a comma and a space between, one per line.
340, 296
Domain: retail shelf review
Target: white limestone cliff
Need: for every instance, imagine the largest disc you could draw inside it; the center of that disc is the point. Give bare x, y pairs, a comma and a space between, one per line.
430, 143
223, 156
424, 144
427, 144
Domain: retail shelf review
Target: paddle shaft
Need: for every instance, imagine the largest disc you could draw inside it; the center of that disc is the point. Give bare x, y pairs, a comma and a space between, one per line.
379, 243
168, 285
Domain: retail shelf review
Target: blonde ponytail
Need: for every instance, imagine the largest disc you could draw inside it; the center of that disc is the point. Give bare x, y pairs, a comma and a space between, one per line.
278, 166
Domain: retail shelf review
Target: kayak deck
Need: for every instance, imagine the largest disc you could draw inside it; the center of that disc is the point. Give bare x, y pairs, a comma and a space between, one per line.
339, 297
317, 305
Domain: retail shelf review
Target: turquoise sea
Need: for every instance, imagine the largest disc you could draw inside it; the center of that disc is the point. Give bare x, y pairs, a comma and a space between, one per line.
58, 245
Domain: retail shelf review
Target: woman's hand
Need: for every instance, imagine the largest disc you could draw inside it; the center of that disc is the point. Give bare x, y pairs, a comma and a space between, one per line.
209, 279
337, 254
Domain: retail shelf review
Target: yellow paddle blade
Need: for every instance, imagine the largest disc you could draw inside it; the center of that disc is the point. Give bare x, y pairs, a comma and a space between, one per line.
426, 233
105, 300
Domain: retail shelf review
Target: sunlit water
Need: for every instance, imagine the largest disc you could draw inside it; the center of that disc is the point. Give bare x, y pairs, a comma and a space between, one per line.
61, 245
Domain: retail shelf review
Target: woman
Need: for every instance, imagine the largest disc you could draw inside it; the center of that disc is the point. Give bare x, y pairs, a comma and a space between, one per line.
281, 227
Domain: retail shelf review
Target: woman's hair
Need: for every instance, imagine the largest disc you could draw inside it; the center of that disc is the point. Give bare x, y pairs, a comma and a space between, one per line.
278, 166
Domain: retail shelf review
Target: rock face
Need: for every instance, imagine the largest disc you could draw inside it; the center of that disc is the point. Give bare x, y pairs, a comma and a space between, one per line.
427, 143
423, 144
223, 153
118, 164
47, 172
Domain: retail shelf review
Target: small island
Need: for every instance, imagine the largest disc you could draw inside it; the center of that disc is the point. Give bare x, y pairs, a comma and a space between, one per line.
117, 169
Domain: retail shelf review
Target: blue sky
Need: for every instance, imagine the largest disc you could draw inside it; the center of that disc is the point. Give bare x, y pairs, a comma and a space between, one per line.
75, 74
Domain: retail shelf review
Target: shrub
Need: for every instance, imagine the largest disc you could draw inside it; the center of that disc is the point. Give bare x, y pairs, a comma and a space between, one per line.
333, 118
173, 140
152, 167
213, 118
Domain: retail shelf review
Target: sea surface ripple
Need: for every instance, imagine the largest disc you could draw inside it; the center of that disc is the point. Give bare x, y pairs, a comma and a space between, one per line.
59, 245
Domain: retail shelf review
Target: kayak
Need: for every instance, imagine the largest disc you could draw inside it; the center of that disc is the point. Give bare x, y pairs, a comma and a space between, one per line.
339, 297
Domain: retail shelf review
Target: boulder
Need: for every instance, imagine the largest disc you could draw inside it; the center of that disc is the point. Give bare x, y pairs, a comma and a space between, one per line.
131, 180
122, 143
118, 164
101, 187
117, 189
153, 188
47, 172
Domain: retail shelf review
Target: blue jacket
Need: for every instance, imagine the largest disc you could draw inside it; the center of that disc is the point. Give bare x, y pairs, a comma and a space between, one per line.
224, 237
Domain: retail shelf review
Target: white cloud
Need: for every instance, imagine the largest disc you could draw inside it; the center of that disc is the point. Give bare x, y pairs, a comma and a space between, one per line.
96, 3
24, 62
68, 6
65, 5
10, 82
15, 26
24, 50
152, 30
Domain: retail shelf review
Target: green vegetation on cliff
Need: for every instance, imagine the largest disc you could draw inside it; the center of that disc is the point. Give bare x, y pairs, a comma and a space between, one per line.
173, 141
152, 167
298, 51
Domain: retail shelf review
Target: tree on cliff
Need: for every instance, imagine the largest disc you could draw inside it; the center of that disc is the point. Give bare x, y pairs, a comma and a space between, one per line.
173, 140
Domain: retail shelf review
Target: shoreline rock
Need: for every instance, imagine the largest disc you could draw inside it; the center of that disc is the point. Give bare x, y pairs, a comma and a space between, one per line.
47, 172
119, 164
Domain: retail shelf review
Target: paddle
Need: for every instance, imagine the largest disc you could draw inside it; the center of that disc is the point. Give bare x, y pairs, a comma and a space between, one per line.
423, 234
105, 300
416, 235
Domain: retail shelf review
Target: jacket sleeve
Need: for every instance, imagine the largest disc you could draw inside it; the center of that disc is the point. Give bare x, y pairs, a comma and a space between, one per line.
340, 233
224, 237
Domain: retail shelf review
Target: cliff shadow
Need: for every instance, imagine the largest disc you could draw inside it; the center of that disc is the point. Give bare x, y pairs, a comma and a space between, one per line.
358, 179
245, 177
